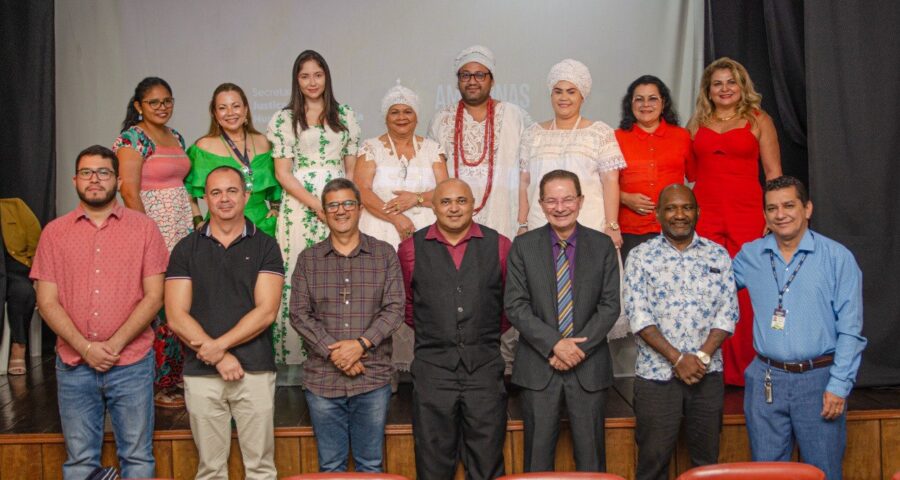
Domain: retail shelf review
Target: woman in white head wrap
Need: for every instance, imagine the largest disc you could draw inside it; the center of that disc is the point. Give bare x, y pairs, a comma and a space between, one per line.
396, 174
397, 171
571, 142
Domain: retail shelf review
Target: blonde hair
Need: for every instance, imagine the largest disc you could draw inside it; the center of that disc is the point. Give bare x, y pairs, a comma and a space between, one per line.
750, 99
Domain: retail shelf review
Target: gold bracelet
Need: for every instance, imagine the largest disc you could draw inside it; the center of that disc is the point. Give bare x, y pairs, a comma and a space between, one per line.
86, 350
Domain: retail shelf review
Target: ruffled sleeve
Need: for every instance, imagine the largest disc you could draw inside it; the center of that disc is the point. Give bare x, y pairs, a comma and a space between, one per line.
201, 164
609, 156
264, 176
368, 149
281, 133
439, 151
351, 137
135, 139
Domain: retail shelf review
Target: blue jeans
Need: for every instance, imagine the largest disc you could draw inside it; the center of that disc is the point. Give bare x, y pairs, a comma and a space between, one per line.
794, 413
344, 422
84, 397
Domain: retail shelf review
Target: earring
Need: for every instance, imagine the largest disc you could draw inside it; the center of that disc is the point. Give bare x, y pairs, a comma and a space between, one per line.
140, 116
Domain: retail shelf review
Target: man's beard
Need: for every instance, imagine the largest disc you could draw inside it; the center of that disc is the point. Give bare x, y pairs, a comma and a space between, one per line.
99, 202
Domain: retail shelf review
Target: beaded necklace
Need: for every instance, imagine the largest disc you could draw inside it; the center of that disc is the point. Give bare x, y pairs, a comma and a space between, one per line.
487, 149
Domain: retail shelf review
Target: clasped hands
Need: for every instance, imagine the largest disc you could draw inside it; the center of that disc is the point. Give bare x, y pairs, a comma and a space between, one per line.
101, 356
212, 352
347, 356
689, 369
567, 354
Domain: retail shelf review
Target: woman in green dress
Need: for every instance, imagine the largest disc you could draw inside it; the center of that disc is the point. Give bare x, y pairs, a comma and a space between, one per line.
232, 140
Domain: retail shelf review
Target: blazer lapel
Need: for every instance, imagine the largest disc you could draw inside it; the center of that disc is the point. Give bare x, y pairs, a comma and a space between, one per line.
545, 253
583, 247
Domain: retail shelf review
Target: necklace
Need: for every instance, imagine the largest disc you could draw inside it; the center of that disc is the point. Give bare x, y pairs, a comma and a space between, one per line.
404, 167
725, 119
487, 149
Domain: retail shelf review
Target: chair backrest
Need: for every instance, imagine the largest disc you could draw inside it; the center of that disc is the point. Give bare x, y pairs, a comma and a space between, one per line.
754, 471
346, 476
561, 476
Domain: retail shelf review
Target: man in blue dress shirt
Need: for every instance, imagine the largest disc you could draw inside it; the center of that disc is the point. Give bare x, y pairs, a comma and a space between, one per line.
806, 291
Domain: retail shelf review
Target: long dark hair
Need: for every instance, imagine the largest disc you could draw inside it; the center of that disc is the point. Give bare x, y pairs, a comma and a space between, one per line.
668, 113
297, 104
214, 129
132, 117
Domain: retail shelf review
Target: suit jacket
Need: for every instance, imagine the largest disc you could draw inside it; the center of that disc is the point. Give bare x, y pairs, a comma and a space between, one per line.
530, 301
21, 229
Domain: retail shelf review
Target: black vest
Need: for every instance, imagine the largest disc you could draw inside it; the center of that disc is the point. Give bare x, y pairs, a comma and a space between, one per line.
457, 312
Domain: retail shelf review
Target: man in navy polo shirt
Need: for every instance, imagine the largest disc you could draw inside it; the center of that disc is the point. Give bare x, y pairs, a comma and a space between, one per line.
223, 288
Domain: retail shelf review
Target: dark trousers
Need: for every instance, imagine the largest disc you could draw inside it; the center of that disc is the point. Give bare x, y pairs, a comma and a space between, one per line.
457, 414
659, 408
20, 299
540, 411
630, 240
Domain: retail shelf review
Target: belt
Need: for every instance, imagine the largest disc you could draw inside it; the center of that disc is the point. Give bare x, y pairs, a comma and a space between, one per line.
799, 367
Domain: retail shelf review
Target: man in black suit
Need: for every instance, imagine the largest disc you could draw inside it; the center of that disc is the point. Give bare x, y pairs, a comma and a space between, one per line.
563, 300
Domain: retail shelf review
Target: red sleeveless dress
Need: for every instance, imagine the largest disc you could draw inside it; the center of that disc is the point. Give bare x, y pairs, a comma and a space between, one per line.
726, 171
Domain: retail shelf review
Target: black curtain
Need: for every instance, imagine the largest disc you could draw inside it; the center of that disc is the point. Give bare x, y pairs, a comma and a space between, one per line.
27, 98
853, 92
767, 38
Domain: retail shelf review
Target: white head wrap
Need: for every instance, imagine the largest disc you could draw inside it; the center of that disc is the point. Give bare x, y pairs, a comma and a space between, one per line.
571, 71
399, 95
475, 53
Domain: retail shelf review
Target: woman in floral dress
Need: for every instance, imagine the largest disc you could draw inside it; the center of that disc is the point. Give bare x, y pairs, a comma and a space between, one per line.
152, 165
314, 140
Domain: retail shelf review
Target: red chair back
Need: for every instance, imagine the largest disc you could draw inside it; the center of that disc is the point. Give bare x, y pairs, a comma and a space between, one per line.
561, 476
346, 476
754, 471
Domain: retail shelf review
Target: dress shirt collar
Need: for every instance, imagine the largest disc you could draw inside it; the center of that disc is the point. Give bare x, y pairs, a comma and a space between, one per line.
365, 246
807, 243
696, 241
117, 211
434, 233
659, 132
571, 241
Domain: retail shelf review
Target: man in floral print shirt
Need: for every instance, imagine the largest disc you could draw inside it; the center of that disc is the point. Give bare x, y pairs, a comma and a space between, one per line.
680, 298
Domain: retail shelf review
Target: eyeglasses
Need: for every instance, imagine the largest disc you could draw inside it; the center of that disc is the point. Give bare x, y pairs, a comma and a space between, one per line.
466, 76
87, 173
156, 103
652, 101
566, 202
349, 205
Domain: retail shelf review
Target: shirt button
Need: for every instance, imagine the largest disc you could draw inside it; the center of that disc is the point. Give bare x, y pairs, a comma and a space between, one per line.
346, 324
346, 280
97, 271
459, 309
459, 289
347, 302
96, 314
96, 291
98, 250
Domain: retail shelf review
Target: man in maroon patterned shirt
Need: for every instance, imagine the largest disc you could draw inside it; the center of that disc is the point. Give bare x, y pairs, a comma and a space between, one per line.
346, 301
99, 273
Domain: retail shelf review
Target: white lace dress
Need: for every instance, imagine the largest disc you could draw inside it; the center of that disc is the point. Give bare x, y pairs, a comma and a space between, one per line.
587, 152
392, 173
510, 121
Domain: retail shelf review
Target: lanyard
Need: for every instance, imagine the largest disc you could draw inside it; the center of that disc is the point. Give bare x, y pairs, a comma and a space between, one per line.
787, 285
244, 158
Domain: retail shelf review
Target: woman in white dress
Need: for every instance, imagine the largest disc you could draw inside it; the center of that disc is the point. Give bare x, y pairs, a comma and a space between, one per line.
314, 140
396, 174
584, 147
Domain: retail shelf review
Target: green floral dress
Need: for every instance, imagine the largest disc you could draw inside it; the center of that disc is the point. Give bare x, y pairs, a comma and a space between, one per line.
318, 156
260, 178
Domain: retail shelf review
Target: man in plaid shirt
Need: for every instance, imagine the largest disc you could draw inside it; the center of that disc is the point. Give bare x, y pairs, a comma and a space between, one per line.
347, 299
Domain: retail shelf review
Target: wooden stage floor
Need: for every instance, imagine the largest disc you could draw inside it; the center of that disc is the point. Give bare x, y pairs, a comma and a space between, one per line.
31, 443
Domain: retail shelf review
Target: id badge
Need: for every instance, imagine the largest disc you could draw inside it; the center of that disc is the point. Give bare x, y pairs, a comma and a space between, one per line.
778, 319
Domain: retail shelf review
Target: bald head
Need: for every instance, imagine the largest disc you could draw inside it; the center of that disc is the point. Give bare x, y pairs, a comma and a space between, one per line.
675, 187
453, 185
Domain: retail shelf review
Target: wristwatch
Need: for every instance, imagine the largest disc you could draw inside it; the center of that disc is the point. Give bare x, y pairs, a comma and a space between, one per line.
613, 225
704, 358
420, 199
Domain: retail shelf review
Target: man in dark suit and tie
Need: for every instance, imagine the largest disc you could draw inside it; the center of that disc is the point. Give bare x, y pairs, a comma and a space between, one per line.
563, 300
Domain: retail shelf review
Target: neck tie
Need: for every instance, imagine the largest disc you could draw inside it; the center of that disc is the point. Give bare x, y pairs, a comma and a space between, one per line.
563, 292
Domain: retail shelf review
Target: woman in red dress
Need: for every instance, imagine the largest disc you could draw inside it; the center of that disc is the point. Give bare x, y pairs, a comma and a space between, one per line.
732, 136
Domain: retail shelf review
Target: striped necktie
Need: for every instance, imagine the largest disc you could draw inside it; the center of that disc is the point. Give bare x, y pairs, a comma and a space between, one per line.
563, 292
